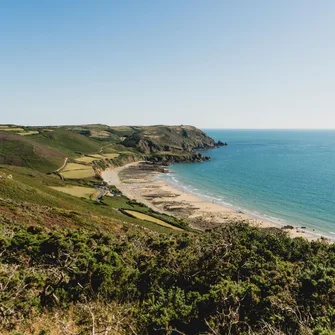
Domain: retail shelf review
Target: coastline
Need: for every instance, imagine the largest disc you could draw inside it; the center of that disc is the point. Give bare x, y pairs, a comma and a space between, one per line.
144, 185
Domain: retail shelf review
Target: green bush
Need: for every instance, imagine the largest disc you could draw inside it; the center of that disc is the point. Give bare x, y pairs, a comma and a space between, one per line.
234, 279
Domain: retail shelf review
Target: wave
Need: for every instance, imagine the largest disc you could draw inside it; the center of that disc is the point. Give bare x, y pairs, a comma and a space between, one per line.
171, 179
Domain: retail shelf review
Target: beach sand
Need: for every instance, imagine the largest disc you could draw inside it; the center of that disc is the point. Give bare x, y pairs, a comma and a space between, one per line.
139, 181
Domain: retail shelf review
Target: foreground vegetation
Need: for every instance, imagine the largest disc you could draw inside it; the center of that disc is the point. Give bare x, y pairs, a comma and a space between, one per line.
233, 280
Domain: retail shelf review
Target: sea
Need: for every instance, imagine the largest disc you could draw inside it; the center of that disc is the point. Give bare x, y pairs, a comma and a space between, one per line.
283, 176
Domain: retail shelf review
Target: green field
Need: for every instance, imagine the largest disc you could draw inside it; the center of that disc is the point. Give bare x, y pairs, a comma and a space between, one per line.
146, 217
77, 171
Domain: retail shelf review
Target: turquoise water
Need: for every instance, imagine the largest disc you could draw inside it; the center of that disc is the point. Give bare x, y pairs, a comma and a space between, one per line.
285, 176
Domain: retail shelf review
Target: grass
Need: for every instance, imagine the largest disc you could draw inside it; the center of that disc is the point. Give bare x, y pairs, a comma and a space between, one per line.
146, 217
19, 151
77, 191
65, 141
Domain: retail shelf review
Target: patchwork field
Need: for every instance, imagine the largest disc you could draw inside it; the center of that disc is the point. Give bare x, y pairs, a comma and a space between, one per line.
97, 156
151, 219
79, 174
93, 157
111, 156
77, 171
6, 128
99, 134
77, 191
86, 159
31, 132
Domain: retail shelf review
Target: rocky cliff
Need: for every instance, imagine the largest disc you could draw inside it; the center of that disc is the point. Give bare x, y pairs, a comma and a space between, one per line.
153, 139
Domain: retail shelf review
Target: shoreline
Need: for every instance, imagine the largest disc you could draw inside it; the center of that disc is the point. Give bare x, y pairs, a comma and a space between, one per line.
146, 186
266, 220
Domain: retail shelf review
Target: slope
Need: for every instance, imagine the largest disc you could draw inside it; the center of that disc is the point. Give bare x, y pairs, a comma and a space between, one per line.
23, 151
67, 142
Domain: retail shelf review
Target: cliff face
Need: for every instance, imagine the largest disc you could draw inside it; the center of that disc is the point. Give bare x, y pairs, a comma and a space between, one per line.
155, 139
172, 158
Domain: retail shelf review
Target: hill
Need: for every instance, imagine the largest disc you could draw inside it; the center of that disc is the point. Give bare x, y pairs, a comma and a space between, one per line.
165, 138
45, 148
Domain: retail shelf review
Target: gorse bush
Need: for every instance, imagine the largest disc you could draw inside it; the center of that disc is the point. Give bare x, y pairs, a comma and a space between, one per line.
232, 280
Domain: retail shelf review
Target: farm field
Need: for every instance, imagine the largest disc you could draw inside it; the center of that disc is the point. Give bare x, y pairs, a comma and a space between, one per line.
6, 128
97, 156
94, 157
79, 174
146, 217
86, 159
31, 132
111, 156
77, 171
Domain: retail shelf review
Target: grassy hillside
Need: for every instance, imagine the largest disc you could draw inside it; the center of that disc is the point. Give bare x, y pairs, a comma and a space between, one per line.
35, 188
68, 142
22, 151
44, 148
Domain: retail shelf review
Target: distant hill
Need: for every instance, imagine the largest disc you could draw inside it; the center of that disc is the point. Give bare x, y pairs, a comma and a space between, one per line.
45, 148
165, 138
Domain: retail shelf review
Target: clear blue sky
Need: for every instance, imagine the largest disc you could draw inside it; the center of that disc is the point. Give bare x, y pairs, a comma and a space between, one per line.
219, 64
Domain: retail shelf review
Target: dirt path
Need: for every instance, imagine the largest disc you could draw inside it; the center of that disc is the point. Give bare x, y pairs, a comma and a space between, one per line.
63, 166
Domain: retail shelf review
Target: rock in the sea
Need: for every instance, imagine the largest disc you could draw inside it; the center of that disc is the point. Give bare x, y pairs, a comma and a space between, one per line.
221, 144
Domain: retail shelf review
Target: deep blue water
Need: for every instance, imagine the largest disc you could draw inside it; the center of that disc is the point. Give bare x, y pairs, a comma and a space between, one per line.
287, 176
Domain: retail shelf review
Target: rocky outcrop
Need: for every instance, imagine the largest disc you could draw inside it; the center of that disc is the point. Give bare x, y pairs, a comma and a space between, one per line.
155, 139
221, 144
168, 159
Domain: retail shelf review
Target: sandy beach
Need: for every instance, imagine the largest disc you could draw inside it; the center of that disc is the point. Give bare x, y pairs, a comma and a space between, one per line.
139, 181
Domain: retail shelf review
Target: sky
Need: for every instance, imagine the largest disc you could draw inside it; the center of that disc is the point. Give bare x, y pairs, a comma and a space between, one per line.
212, 64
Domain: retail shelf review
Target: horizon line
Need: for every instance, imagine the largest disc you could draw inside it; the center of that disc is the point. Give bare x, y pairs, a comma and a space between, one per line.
133, 125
